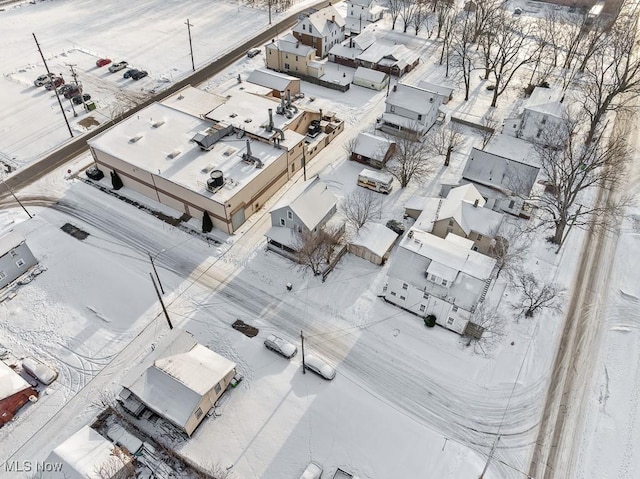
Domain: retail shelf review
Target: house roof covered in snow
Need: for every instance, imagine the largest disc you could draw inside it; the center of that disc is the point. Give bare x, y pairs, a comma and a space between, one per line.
174, 385
412, 98
271, 79
543, 96
361, 3
443, 90
83, 455
289, 44
468, 193
369, 75
371, 146
10, 241
376, 238
324, 21
10, 382
364, 40
471, 218
310, 200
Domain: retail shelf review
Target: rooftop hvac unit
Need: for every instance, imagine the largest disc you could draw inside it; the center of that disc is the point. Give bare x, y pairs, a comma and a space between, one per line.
215, 181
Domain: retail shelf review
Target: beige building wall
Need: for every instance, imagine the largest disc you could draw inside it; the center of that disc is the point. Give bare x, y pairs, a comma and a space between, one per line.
443, 227
282, 61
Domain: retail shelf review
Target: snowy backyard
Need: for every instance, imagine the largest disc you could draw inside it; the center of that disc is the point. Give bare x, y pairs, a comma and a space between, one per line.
407, 401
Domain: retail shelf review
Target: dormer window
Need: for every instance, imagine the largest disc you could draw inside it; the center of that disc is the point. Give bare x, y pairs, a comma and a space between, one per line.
304, 27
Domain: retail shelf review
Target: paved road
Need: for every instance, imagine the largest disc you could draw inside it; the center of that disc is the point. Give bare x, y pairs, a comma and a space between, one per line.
66, 153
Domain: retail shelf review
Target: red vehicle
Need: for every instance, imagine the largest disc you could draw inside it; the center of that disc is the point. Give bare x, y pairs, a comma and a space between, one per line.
53, 84
102, 62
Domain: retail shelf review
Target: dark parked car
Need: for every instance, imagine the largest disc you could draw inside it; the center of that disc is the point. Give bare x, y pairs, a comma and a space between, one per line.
129, 72
74, 91
102, 62
65, 88
79, 99
139, 74
53, 84
253, 52
94, 173
42, 79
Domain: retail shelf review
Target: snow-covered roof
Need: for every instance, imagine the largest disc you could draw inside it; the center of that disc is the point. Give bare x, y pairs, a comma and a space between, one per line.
371, 146
174, 385
271, 79
283, 235
542, 96
471, 218
416, 202
289, 44
513, 149
364, 40
376, 175
468, 193
310, 200
82, 455
449, 252
193, 101
369, 75
10, 382
443, 90
361, 3
325, 20
345, 51
10, 241
376, 238
412, 98
428, 216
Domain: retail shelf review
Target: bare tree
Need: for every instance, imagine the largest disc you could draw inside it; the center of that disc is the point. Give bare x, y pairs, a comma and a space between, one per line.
612, 76
490, 123
535, 295
509, 248
446, 23
408, 11
485, 330
412, 160
118, 466
574, 168
462, 50
394, 7
350, 145
444, 11
484, 15
360, 206
314, 249
421, 16
445, 141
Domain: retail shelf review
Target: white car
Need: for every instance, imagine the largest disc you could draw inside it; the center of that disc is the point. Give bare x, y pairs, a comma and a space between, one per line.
318, 366
42, 79
312, 471
280, 346
36, 368
116, 67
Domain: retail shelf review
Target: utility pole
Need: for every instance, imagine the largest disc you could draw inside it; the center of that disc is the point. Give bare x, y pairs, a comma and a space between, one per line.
493, 449
269, 12
189, 25
73, 72
166, 315
360, 31
153, 265
55, 89
304, 369
304, 163
16, 198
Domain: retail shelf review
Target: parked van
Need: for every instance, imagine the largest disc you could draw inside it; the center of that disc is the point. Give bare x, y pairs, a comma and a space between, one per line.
312, 471
376, 181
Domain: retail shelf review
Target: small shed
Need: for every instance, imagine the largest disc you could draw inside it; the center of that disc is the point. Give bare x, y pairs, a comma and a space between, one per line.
277, 82
373, 243
15, 257
373, 150
14, 393
367, 78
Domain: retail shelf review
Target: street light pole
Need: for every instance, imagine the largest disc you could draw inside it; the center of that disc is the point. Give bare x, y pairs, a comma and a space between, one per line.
189, 25
164, 309
153, 265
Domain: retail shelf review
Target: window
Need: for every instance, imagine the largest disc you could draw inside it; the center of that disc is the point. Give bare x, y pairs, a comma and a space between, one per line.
286, 66
13, 253
304, 27
3, 275
198, 413
310, 28
293, 167
217, 388
290, 215
432, 277
425, 296
20, 263
405, 285
422, 308
444, 282
299, 229
450, 321
419, 117
403, 298
393, 108
479, 237
393, 293
455, 308
511, 204
451, 222
282, 222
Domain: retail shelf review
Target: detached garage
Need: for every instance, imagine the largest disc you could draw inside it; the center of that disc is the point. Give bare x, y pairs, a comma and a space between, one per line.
372, 79
373, 243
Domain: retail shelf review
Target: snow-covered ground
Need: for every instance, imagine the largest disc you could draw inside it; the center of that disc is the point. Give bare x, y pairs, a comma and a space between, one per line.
407, 401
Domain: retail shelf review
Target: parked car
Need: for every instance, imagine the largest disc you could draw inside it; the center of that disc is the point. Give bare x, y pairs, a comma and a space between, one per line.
37, 369
53, 84
94, 173
102, 62
312, 471
116, 67
137, 75
79, 99
65, 88
73, 91
42, 79
253, 52
318, 366
280, 346
129, 72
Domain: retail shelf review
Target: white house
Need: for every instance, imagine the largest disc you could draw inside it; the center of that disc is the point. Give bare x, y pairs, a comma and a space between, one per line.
88, 455
373, 242
442, 277
306, 207
410, 111
444, 90
15, 257
182, 385
367, 78
541, 114
362, 12
321, 30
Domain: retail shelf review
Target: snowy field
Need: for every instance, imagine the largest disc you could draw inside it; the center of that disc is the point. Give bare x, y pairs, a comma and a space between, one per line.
407, 401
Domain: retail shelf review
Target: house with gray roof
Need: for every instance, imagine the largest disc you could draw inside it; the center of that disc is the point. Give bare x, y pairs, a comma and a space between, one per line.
15, 257
372, 150
290, 55
278, 83
367, 78
410, 111
321, 30
390, 58
436, 276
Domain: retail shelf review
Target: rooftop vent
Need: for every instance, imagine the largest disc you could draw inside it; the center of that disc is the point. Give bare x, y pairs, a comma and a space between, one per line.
248, 120
229, 151
233, 115
157, 124
208, 138
180, 96
173, 154
133, 139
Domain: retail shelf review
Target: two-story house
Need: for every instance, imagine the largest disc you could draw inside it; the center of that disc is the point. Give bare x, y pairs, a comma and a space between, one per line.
443, 277
305, 208
541, 114
462, 213
15, 257
410, 111
362, 12
321, 30
289, 55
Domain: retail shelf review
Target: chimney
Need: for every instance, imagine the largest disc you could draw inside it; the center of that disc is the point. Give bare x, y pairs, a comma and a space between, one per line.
333, 18
475, 203
297, 44
350, 42
249, 155
270, 126
282, 101
288, 97
320, 114
410, 234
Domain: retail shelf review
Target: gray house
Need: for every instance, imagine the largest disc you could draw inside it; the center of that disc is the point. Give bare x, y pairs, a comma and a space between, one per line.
410, 111
15, 257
